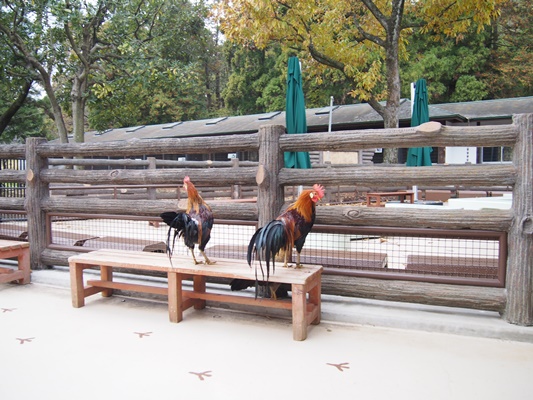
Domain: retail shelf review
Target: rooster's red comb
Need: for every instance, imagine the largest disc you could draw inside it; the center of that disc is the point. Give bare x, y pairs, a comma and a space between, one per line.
186, 180
319, 189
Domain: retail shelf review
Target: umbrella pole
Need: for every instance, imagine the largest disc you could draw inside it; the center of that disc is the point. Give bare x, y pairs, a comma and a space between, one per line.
415, 187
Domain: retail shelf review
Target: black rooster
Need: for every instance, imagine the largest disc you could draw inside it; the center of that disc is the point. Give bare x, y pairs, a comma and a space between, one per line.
194, 225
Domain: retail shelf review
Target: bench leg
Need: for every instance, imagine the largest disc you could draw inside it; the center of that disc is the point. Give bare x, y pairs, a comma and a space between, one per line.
76, 285
24, 265
106, 274
175, 297
299, 312
315, 298
199, 287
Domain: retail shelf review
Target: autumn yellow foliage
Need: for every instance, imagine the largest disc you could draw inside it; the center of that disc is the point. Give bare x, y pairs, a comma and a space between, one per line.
364, 39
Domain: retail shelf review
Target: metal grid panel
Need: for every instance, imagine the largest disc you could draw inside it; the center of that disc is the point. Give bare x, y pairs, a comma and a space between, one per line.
421, 254
13, 225
473, 257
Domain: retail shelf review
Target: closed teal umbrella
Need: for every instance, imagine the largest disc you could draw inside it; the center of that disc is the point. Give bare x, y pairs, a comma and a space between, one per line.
419, 156
295, 119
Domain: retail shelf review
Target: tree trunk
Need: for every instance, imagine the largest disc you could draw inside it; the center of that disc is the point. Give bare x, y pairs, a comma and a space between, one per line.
390, 119
6, 117
78, 108
56, 109
392, 65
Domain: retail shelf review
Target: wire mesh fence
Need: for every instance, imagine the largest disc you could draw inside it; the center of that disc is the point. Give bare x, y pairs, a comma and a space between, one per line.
465, 257
413, 252
469, 257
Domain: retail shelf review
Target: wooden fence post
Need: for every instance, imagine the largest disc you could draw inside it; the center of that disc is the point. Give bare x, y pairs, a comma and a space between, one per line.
235, 189
270, 195
519, 306
152, 192
36, 191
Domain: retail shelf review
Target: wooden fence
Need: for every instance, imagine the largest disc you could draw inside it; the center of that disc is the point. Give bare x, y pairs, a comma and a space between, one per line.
514, 301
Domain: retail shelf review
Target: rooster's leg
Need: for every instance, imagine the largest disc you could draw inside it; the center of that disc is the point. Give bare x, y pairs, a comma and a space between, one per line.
286, 260
298, 264
207, 260
194, 258
273, 288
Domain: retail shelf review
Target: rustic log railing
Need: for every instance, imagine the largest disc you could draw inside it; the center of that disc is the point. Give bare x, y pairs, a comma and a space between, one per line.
515, 301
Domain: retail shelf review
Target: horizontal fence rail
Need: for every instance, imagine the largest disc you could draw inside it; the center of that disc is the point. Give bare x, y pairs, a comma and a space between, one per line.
404, 176
437, 135
195, 145
219, 176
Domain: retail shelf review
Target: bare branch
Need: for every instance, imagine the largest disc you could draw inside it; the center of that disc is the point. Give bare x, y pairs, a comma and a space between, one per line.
323, 59
376, 12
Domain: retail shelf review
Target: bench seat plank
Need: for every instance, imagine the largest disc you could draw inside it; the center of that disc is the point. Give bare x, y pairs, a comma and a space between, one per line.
223, 268
305, 283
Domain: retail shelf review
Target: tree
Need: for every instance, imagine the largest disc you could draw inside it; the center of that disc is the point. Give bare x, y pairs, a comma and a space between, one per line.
20, 114
257, 82
82, 25
453, 68
15, 85
28, 120
494, 63
83, 50
164, 70
57, 38
34, 36
509, 72
364, 40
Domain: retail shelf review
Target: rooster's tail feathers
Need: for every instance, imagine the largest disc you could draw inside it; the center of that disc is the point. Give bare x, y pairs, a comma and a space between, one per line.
178, 222
175, 220
251, 246
266, 243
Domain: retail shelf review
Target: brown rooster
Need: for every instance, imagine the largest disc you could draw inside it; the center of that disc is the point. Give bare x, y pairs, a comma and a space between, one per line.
279, 236
194, 225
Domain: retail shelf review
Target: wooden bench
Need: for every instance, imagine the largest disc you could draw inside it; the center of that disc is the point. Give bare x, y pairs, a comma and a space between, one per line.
305, 283
402, 196
20, 250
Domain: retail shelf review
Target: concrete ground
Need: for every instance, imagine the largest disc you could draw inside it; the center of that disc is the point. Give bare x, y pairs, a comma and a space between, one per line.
125, 348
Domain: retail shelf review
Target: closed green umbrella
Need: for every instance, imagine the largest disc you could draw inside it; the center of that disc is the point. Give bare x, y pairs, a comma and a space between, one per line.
419, 156
295, 119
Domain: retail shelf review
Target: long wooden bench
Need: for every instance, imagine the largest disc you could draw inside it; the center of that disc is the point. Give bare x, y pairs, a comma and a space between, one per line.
305, 283
20, 250
402, 196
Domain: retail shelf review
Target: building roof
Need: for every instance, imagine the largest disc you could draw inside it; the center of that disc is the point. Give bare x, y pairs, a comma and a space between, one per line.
353, 116
490, 109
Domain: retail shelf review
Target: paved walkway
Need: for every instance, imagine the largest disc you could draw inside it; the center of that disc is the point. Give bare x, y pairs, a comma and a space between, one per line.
125, 348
